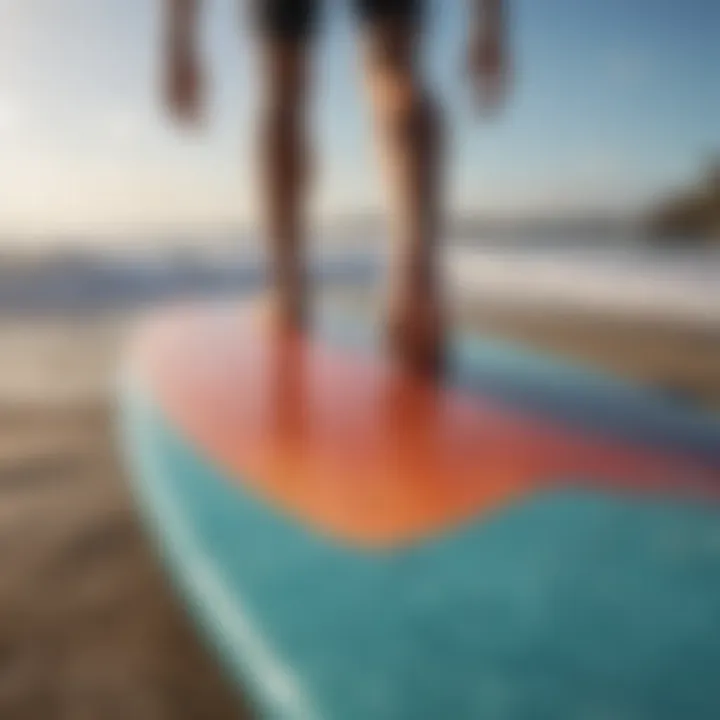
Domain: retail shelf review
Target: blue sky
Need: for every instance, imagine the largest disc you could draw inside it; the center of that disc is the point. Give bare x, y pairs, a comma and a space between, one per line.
614, 102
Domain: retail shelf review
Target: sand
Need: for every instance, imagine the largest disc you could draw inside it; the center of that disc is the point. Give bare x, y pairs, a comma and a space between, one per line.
89, 627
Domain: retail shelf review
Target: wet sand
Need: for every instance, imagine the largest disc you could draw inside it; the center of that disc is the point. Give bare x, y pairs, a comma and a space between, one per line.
89, 627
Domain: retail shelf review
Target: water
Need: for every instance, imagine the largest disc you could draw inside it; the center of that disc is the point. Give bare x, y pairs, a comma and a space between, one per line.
635, 279
680, 284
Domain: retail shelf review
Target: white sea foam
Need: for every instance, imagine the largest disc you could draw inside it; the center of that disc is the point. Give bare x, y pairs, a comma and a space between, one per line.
678, 286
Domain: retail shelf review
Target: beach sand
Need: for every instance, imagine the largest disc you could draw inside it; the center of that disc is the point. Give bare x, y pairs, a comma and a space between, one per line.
89, 627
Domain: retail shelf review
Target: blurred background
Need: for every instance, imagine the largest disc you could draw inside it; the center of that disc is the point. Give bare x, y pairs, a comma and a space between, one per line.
585, 221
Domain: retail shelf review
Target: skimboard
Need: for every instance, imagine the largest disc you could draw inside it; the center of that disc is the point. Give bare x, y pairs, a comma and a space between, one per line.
524, 539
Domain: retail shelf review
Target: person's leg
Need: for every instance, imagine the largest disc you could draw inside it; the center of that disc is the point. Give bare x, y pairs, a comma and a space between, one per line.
285, 33
408, 128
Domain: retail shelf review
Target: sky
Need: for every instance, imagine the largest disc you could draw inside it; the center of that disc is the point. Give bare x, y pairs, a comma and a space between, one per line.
613, 103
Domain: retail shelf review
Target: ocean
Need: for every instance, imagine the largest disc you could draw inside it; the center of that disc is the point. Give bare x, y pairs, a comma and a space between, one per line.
635, 279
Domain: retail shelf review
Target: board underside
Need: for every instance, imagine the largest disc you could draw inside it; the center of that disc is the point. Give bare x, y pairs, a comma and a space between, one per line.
593, 592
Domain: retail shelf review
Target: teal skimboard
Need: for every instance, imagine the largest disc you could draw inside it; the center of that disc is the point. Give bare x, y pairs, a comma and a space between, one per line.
529, 540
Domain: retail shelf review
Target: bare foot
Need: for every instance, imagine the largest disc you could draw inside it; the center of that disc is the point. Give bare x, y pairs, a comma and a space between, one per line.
416, 336
282, 313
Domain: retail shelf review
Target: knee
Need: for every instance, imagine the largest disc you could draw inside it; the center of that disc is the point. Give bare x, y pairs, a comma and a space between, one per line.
407, 112
282, 112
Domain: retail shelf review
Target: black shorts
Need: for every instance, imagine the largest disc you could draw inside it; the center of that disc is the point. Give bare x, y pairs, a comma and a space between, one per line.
297, 19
